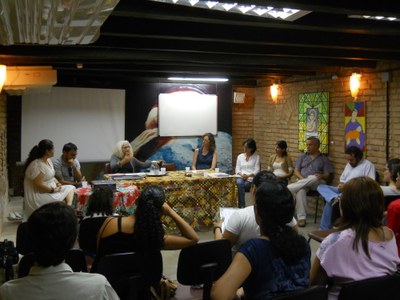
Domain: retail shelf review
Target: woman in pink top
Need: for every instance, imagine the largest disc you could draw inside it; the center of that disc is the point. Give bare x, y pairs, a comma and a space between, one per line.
362, 247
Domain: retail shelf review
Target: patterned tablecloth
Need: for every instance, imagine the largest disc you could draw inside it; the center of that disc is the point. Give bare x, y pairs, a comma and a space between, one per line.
124, 198
197, 199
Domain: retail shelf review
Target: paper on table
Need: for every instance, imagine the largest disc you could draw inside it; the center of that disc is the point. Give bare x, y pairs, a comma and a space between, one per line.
226, 212
218, 175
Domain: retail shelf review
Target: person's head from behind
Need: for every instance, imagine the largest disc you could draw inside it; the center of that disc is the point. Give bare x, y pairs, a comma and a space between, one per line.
312, 144
396, 175
250, 146
121, 148
148, 226
274, 208
208, 139
45, 147
353, 155
362, 207
53, 229
69, 151
101, 201
387, 174
261, 177
281, 148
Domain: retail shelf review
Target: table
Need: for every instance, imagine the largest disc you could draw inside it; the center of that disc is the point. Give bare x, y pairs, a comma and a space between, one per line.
197, 199
124, 198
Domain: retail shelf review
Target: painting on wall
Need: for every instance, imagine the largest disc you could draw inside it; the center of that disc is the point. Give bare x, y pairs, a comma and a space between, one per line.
354, 120
314, 119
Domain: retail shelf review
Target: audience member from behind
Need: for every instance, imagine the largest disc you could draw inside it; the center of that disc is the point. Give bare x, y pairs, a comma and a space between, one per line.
144, 231
390, 178
362, 247
100, 202
247, 166
241, 225
53, 230
40, 185
276, 262
123, 160
393, 210
205, 157
67, 166
280, 163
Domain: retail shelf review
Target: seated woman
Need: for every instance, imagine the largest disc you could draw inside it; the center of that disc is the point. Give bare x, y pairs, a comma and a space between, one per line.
280, 163
40, 184
144, 231
276, 262
206, 156
123, 160
362, 247
390, 178
247, 166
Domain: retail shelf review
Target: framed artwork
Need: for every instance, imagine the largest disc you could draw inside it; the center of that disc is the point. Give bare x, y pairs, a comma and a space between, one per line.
354, 120
314, 119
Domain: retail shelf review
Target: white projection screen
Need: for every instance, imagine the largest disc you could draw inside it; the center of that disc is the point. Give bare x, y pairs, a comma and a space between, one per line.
93, 119
187, 113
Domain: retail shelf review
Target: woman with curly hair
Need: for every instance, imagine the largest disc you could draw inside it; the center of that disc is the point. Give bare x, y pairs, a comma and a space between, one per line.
123, 160
205, 157
144, 231
276, 262
362, 247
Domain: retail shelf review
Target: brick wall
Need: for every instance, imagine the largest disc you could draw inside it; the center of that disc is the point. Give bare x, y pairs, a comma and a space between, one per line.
3, 159
272, 122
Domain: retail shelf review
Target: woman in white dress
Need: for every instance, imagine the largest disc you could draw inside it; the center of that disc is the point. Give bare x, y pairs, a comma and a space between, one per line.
40, 185
280, 163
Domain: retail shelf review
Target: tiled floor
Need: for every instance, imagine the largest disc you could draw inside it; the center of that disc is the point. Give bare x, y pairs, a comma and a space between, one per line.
170, 258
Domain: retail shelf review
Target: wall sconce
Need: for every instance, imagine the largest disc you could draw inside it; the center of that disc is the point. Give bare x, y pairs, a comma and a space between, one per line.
354, 84
274, 92
3, 71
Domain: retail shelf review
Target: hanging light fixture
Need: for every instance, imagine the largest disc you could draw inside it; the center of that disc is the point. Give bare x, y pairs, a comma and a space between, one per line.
3, 71
354, 84
274, 92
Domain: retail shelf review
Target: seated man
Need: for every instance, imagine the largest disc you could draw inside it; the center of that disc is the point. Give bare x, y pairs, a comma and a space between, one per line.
242, 225
53, 229
356, 166
67, 167
310, 168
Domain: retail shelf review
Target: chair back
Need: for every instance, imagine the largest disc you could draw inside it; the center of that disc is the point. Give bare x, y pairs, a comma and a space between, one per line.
386, 287
131, 274
316, 292
107, 168
23, 241
204, 263
88, 229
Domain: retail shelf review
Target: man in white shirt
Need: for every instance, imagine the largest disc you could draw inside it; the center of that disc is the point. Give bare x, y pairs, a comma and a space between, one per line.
357, 166
53, 229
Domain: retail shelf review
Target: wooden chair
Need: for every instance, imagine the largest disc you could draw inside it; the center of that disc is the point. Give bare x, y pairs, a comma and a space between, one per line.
386, 287
204, 263
316, 292
132, 274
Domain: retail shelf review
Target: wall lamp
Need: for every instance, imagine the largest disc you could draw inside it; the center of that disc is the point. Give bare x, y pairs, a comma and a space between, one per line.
3, 71
354, 85
274, 92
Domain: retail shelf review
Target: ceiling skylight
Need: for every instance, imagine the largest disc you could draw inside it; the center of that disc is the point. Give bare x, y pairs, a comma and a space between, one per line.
377, 18
287, 14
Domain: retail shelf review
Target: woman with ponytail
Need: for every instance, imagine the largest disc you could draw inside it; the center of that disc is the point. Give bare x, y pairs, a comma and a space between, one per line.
276, 262
144, 231
40, 185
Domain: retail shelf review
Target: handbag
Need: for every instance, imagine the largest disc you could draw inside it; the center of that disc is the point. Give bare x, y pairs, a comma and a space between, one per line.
165, 290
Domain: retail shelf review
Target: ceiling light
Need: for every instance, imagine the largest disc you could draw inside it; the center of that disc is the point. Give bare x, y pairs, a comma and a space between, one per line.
52, 22
287, 14
354, 84
274, 92
377, 18
198, 79
3, 72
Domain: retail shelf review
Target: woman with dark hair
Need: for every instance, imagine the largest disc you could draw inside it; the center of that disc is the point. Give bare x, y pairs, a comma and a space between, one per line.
280, 163
247, 166
144, 231
40, 184
390, 178
276, 262
100, 202
362, 247
205, 157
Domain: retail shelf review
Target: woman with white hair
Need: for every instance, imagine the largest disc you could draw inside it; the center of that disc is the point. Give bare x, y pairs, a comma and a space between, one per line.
123, 161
